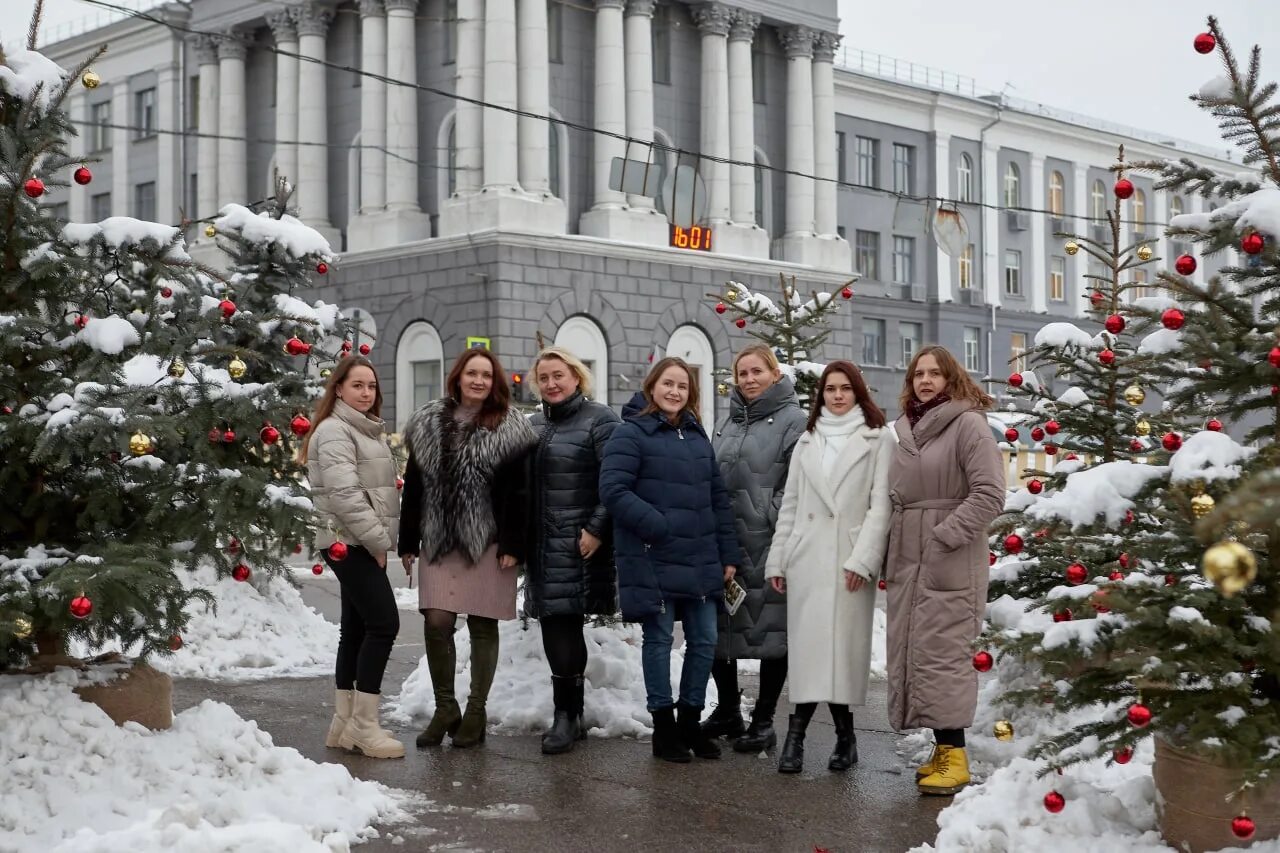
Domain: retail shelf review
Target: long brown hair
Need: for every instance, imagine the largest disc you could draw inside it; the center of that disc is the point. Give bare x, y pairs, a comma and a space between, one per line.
960, 385
324, 408
861, 395
651, 382
498, 403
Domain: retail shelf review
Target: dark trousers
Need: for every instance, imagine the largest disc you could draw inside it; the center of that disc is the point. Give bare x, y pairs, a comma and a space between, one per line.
773, 675
949, 737
370, 621
565, 647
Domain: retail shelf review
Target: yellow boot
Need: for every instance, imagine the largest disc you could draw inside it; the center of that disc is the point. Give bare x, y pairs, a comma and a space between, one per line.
950, 772
929, 766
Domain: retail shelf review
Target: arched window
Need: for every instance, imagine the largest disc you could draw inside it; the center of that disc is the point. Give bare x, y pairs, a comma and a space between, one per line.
1057, 194
764, 191
558, 154
1175, 206
583, 337
1139, 212
353, 175
447, 156
1098, 203
419, 370
964, 178
692, 344
1012, 186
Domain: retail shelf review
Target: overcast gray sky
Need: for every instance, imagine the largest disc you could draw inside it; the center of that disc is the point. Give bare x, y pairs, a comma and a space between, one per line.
1127, 61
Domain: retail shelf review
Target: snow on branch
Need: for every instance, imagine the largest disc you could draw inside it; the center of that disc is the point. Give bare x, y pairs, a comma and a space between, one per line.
1105, 490
27, 72
297, 239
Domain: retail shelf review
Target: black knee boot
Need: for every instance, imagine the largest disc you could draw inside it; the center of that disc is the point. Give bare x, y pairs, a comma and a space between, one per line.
792, 759
845, 754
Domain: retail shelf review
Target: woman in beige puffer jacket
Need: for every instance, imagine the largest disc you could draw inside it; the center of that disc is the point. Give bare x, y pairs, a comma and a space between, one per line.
353, 484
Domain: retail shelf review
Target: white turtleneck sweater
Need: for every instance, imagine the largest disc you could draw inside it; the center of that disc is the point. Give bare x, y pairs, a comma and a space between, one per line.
835, 431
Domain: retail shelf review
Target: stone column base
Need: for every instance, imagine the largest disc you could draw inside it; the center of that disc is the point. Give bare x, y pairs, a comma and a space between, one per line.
834, 253
387, 228
647, 227
742, 240
828, 252
503, 209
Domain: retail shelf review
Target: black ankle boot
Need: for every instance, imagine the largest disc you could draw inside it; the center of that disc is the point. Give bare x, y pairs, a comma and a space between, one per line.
845, 754
694, 738
792, 759
579, 690
563, 733
759, 736
667, 743
725, 720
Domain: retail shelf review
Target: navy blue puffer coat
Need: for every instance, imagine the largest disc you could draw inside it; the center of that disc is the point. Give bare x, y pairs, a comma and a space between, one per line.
673, 524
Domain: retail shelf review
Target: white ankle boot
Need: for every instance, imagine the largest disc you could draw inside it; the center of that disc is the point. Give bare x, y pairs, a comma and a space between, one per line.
362, 732
342, 701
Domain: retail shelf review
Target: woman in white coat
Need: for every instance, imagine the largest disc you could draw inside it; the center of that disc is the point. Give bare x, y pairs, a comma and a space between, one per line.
833, 529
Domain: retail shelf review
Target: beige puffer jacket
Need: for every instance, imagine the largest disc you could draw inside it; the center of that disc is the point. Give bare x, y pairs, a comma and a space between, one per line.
353, 482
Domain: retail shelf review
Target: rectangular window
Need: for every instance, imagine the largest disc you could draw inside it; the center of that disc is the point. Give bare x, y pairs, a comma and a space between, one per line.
842, 169
1058, 278
1140, 290
867, 253
840, 231
904, 254
758, 74
144, 113
193, 102
966, 267
1018, 351
100, 206
359, 48
872, 341
912, 337
555, 31
59, 211
100, 131
868, 153
450, 32
193, 191
904, 167
426, 383
144, 201
1012, 273
661, 39
972, 348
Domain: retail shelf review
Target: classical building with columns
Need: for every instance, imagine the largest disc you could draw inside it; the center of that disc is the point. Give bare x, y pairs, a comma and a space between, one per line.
463, 214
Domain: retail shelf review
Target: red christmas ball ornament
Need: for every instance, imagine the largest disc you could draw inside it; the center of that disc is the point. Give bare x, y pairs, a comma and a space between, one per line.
228, 436
1243, 827
1097, 601
1037, 434
1011, 435
294, 346
297, 549
338, 551
991, 558
1171, 441
1063, 615
166, 292
227, 307
1122, 755
82, 320
1129, 517
1096, 298
317, 569
81, 607
1107, 357
1116, 576
1213, 425
1052, 427
1136, 446
6, 410
1185, 264
846, 292
365, 349
399, 483
721, 308
1204, 43
741, 322
233, 547
82, 176
1170, 579
1050, 449
34, 187
1013, 543
240, 573
322, 268
300, 425
880, 584
1054, 802
346, 346
982, 661
1076, 574
1071, 457
1252, 243
1035, 487
1015, 380
175, 642
1123, 561
1123, 188
1172, 318
1114, 324
1274, 356
1275, 390
269, 434
1139, 715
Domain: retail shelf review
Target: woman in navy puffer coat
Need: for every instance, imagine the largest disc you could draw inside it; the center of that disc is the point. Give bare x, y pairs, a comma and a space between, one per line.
675, 545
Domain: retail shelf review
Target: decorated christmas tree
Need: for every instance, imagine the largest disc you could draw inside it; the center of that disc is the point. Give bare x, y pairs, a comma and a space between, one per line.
795, 326
148, 406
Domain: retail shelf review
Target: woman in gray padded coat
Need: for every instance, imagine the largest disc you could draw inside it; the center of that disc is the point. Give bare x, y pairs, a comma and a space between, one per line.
753, 446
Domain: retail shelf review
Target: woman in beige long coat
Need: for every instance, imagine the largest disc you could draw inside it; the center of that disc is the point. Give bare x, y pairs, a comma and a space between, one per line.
827, 551
947, 485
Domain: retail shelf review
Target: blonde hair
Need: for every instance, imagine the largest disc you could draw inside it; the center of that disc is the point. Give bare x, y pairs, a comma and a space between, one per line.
761, 351
571, 361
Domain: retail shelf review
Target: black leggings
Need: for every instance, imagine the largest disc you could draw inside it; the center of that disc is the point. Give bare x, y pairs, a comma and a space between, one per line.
370, 621
564, 645
773, 675
949, 737
805, 710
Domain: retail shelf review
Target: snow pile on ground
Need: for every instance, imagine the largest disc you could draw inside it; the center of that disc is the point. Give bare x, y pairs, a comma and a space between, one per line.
77, 782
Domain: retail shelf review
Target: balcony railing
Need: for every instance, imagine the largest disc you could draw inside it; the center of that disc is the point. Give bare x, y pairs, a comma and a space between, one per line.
53, 33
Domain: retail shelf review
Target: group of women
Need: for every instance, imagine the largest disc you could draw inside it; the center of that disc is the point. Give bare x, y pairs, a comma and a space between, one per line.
653, 516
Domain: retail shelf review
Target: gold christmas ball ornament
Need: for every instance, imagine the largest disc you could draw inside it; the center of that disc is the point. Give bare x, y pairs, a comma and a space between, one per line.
731, 295
177, 369
237, 368
90, 79
1134, 395
1144, 252
1072, 247
1230, 566
1202, 505
326, 373
210, 231
1142, 428
139, 444
22, 627
1003, 730
722, 389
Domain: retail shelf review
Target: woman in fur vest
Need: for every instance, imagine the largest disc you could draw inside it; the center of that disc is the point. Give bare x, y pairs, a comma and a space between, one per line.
463, 513
832, 531
353, 483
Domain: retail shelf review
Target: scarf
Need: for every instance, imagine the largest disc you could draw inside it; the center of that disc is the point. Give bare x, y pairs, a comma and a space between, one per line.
917, 410
835, 431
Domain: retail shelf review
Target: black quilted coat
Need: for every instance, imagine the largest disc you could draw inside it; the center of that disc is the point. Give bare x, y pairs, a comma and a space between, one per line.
753, 446
565, 500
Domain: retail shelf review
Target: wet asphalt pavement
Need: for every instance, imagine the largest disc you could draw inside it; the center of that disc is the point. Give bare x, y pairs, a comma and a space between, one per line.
606, 795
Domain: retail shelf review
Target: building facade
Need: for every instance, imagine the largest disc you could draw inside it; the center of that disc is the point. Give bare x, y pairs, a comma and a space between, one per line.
459, 220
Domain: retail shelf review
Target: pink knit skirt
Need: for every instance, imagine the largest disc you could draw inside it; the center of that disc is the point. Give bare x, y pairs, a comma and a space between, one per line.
483, 589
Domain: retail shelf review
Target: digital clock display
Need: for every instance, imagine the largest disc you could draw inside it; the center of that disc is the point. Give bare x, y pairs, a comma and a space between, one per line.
696, 237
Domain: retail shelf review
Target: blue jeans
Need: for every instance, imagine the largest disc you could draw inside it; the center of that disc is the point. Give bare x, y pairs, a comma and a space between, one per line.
699, 621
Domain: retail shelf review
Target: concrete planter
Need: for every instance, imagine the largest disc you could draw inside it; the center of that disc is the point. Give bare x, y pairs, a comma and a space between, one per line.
1192, 808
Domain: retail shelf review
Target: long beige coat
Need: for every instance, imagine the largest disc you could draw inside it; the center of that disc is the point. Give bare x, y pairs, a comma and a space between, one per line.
353, 482
947, 484
830, 521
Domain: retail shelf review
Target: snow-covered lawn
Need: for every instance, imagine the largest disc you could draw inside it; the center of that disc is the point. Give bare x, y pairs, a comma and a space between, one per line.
74, 781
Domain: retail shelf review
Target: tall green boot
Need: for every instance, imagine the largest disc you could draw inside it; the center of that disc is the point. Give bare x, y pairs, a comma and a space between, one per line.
442, 660
484, 663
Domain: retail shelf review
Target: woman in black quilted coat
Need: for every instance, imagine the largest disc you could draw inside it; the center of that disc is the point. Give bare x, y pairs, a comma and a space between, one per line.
569, 570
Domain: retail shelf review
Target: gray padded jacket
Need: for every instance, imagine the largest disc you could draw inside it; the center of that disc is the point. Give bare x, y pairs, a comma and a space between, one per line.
353, 482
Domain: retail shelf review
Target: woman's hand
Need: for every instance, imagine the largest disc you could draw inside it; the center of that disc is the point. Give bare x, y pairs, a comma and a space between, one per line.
729, 572
381, 560
506, 561
407, 560
853, 581
779, 585
588, 544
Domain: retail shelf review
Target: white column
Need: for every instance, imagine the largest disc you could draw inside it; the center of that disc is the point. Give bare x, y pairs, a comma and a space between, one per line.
1079, 265
207, 144
469, 120
312, 194
232, 122
535, 97
286, 36
168, 181
798, 240
501, 141
639, 74
742, 134
1037, 280
833, 250
121, 115
713, 21
610, 98
942, 184
374, 104
78, 196
991, 261
402, 106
